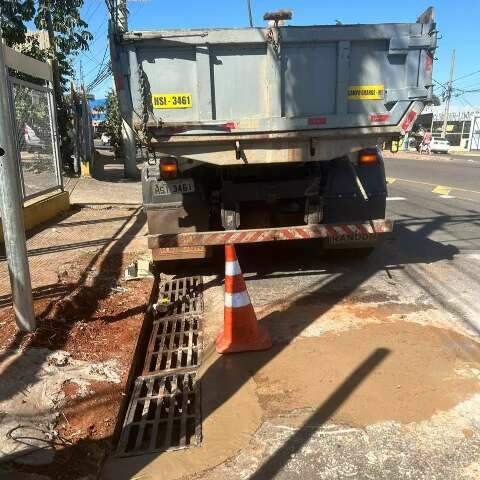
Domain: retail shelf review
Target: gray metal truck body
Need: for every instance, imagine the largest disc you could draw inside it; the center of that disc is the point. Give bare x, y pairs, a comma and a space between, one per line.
266, 124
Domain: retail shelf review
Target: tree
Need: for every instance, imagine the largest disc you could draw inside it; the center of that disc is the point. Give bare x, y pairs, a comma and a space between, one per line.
113, 122
68, 35
13, 17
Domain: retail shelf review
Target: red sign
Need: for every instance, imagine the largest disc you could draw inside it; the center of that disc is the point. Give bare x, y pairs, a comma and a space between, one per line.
408, 120
317, 121
379, 117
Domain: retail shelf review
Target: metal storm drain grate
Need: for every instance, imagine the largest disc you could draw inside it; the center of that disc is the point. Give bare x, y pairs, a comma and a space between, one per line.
164, 410
164, 414
175, 344
181, 296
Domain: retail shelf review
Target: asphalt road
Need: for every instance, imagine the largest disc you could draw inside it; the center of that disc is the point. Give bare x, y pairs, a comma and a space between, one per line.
375, 368
439, 197
462, 174
427, 274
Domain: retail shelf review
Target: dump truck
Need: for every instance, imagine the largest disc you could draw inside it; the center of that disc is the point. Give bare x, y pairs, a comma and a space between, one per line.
272, 133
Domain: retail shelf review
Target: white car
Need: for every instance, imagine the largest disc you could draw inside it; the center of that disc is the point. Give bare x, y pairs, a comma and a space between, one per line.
439, 145
105, 139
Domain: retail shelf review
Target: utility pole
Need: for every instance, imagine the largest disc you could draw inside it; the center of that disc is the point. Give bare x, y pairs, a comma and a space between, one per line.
129, 149
81, 73
448, 96
76, 128
249, 6
12, 213
122, 15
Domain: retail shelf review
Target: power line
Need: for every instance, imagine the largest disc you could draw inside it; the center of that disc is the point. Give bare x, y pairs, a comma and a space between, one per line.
466, 102
95, 41
108, 77
101, 64
466, 76
440, 84
101, 77
89, 8
470, 85
136, 12
104, 73
93, 13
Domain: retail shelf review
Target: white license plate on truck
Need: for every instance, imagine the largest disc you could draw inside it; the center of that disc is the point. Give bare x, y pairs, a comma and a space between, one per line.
170, 187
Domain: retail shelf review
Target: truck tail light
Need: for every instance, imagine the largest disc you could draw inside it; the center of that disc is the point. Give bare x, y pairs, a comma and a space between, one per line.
168, 168
368, 156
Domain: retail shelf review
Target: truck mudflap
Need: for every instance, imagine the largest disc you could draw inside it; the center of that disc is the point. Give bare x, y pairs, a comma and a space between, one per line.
350, 233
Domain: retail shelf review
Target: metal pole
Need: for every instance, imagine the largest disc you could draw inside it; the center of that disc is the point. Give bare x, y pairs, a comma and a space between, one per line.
129, 148
449, 95
249, 5
76, 129
122, 16
12, 213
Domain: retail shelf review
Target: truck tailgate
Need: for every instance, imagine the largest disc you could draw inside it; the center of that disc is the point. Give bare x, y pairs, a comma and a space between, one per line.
217, 81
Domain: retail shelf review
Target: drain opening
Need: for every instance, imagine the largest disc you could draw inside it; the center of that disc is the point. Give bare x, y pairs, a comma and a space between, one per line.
181, 296
164, 410
175, 343
164, 414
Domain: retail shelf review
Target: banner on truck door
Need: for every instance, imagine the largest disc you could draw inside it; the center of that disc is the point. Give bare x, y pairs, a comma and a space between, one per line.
172, 100
366, 92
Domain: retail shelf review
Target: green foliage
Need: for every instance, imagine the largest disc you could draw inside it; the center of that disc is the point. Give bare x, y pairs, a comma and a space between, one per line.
13, 16
61, 17
70, 32
67, 33
113, 122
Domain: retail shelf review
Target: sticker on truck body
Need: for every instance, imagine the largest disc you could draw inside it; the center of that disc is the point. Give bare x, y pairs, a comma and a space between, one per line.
353, 237
172, 100
366, 92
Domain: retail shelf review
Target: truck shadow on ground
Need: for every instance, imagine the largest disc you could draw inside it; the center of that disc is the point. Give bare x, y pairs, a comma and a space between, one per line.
346, 275
407, 247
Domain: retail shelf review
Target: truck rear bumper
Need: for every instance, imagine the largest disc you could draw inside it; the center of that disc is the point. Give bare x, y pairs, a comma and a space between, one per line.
350, 233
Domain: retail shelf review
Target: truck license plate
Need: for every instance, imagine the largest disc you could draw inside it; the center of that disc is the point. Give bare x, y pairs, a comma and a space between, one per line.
170, 187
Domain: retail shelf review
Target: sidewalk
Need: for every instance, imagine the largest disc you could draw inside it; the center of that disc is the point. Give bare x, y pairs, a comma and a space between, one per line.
108, 187
65, 382
416, 156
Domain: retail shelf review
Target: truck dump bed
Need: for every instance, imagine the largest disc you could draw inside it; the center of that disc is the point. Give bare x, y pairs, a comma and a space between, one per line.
319, 82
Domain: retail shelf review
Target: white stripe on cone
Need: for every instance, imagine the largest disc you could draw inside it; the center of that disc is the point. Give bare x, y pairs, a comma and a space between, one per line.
235, 300
232, 268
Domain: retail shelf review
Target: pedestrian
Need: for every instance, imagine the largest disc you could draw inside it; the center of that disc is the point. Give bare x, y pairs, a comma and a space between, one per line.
425, 145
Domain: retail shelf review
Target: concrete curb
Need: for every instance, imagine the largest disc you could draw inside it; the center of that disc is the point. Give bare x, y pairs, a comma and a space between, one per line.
43, 209
440, 157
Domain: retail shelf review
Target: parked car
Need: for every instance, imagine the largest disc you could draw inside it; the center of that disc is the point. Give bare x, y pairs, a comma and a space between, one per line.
439, 145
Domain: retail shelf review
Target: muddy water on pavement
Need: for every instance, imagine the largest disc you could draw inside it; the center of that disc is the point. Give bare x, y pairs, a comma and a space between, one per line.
418, 377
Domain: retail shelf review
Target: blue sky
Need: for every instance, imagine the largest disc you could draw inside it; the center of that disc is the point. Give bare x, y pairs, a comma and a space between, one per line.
458, 22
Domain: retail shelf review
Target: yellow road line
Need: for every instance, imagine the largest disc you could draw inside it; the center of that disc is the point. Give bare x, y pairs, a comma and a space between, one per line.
442, 190
436, 185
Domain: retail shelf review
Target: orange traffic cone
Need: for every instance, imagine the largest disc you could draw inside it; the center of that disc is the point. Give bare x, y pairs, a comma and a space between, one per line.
241, 332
